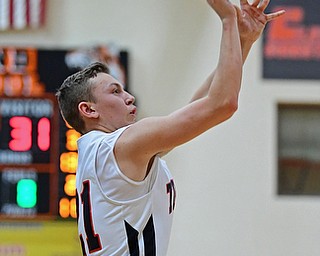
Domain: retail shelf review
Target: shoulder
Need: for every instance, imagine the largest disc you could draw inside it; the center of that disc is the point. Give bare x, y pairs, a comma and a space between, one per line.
94, 136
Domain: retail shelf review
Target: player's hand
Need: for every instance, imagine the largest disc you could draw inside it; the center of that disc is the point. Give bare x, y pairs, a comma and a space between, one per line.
252, 19
223, 8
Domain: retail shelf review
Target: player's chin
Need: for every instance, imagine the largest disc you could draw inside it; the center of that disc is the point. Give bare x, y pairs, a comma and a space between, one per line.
129, 122
132, 118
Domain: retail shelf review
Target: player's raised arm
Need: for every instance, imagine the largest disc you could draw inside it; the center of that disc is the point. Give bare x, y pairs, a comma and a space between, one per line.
149, 136
251, 23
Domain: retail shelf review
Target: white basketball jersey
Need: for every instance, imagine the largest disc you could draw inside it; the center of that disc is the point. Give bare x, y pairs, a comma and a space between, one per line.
116, 215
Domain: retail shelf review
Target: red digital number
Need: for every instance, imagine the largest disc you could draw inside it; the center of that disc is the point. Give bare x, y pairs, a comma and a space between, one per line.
44, 134
21, 133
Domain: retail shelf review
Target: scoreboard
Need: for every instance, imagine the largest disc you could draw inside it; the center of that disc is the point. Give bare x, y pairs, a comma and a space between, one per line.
28, 150
38, 160
28, 156
38, 150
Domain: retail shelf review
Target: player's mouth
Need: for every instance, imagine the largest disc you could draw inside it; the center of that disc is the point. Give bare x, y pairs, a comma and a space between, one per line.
133, 111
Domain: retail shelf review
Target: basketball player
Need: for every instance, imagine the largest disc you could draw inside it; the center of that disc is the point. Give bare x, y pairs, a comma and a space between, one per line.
125, 192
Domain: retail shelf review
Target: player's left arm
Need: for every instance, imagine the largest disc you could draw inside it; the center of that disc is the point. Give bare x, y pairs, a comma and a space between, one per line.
251, 23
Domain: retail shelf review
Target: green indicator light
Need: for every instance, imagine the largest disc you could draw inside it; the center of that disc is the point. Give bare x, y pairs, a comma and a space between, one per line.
26, 193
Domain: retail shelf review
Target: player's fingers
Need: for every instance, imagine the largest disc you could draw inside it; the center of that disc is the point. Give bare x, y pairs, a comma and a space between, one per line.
242, 2
274, 15
255, 3
263, 4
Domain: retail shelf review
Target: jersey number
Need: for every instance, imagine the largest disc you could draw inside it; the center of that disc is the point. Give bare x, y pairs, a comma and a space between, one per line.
93, 239
171, 190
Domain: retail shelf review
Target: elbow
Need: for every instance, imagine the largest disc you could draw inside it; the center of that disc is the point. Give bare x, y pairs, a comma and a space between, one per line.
233, 105
223, 106
229, 107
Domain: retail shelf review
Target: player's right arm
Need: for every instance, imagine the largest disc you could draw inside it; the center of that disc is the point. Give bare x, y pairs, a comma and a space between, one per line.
150, 136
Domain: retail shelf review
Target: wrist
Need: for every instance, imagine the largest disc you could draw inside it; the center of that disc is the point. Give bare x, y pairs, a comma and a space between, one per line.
245, 48
229, 22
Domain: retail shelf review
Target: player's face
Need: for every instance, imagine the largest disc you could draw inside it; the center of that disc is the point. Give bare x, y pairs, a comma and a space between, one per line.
114, 105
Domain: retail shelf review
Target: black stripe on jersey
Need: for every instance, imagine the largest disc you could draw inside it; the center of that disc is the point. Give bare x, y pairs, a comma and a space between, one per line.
149, 239
132, 236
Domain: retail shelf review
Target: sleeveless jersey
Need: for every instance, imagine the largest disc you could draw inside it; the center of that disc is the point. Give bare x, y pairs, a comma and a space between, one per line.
116, 215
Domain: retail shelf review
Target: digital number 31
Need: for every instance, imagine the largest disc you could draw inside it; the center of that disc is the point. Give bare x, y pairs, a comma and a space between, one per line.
21, 133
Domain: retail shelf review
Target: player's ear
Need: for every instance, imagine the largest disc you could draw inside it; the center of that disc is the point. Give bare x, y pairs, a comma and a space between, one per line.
87, 110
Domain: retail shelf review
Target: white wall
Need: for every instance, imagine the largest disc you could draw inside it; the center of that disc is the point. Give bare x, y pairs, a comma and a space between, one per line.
226, 178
